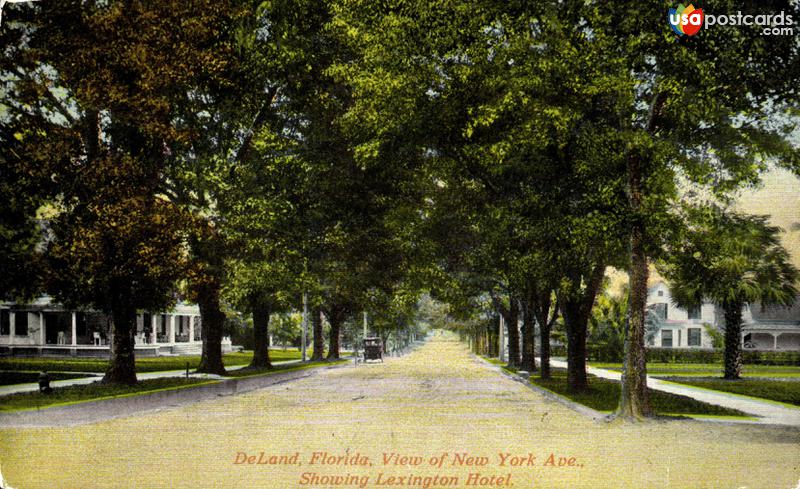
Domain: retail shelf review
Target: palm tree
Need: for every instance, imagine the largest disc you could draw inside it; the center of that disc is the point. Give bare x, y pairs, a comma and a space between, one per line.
730, 259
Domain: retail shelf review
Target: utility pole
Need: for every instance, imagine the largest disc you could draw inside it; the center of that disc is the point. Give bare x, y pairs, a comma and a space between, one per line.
366, 324
305, 323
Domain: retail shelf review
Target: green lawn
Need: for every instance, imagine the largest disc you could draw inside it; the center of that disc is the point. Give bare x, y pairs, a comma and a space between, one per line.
96, 390
604, 395
143, 364
81, 393
786, 391
709, 369
10, 378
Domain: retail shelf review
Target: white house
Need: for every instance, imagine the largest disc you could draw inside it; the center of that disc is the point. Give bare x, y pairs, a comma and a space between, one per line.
763, 328
679, 328
45, 328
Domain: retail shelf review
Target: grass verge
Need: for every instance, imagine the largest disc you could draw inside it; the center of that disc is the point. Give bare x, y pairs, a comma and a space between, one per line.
92, 392
603, 395
784, 392
708, 370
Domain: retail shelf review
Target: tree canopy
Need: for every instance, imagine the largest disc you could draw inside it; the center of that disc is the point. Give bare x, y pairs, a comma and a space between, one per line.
497, 157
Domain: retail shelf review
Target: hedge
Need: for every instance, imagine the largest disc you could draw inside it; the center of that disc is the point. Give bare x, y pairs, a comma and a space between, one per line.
749, 357
693, 355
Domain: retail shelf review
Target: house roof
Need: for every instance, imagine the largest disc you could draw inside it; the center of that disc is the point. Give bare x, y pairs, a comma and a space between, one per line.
776, 313
772, 326
46, 303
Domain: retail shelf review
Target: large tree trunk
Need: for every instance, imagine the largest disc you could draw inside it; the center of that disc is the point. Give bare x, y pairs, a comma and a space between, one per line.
206, 285
528, 336
576, 307
541, 309
335, 318
577, 381
634, 400
260, 335
733, 339
494, 343
213, 320
544, 350
319, 340
512, 324
122, 365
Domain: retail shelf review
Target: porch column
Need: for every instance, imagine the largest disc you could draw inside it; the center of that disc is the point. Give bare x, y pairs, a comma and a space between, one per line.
154, 332
42, 335
775, 340
172, 328
191, 328
12, 323
74, 329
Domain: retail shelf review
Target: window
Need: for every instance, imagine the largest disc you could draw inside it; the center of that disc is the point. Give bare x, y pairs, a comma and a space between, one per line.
694, 336
660, 310
5, 322
694, 312
183, 324
661, 293
666, 338
21, 324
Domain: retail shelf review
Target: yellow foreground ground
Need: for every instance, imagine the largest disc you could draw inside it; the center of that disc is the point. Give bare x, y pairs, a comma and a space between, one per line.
438, 405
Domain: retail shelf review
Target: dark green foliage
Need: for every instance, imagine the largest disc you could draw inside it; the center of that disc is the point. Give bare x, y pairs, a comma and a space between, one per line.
749, 357
732, 260
695, 355
93, 90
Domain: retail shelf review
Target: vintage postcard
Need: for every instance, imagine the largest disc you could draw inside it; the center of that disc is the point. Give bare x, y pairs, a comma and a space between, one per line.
418, 244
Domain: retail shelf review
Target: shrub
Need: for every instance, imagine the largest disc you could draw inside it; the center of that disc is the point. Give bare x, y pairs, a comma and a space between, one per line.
749, 357
756, 357
598, 353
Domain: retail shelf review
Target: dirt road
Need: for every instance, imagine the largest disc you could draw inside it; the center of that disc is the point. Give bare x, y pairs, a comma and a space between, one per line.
435, 418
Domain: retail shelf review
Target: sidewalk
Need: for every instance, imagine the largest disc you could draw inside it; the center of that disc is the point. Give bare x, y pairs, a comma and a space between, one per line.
766, 411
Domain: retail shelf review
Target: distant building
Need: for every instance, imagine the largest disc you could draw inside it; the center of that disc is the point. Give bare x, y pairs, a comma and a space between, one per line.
46, 328
768, 328
771, 327
678, 327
